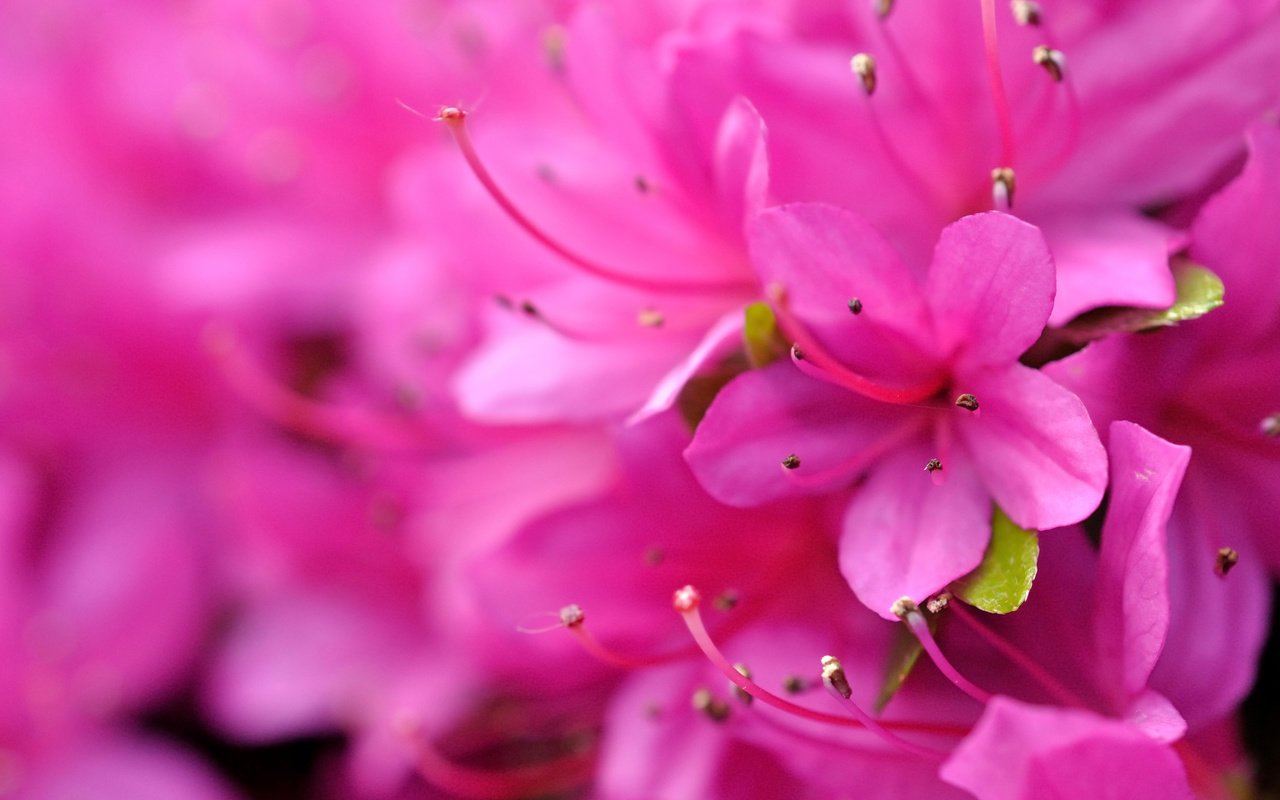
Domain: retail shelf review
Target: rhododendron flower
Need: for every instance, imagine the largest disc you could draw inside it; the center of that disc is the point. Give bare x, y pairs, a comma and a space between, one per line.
916, 386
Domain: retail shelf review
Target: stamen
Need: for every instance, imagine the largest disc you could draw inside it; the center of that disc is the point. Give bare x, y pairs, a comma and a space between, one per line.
933, 466
1053, 61
742, 694
906, 610
1004, 115
529, 309
937, 604
455, 120
855, 306
358, 427
791, 462
1270, 425
688, 607
1026, 12
1007, 649
1226, 559
642, 184
574, 620
794, 684
837, 683
827, 367
860, 460
1003, 182
726, 601
716, 709
864, 66
967, 401
884, 8
651, 318
556, 776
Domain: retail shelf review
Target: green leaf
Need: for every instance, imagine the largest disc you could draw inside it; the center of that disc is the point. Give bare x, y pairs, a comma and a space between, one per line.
903, 656
1003, 580
1199, 291
760, 336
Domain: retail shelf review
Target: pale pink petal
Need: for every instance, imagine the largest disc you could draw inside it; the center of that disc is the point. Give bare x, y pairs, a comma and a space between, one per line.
1153, 714
908, 534
1034, 446
990, 288
1132, 601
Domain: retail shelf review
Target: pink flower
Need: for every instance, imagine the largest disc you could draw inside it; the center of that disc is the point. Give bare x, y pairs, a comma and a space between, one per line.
963, 424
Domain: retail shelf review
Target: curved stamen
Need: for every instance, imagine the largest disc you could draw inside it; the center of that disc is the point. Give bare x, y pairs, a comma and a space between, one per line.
1004, 115
455, 122
687, 606
1010, 651
357, 427
821, 364
574, 620
907, 611
860, 461
550, 777
837, 684
534, 313
863, 66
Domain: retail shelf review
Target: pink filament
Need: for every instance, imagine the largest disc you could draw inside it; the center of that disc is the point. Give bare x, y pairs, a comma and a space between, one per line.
594, 646
918, 626
1004, 114
872, 725
1007, 649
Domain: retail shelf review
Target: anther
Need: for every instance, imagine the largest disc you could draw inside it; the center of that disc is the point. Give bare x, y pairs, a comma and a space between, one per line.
933, 466
1026, 12
1003, 183
797, 353
1270, 425
726, 600
905, 609
451, 114
572, 615
642, 184
1226, 559
651, 318
716, 709
1053, 61
791, 462
834, 678
742, 694
967, 401
855, 306
884, 8
938, 603
686, 599
864, 66
553, 46
794, 684
904, 606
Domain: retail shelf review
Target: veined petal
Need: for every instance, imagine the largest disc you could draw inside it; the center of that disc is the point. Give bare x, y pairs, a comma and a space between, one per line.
1034, 446
990, 287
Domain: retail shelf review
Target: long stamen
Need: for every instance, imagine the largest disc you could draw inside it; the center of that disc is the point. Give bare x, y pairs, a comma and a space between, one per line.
907, 611
837, 684
856, 464
863, 65
455, 121
1004, 114
573, 619
686, 603
1007, 649
532, 312
823, 365
343, 426
550, 777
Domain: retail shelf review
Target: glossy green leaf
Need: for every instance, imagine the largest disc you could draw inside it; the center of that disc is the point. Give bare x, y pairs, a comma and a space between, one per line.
1003, 580
1199, 291
760, 336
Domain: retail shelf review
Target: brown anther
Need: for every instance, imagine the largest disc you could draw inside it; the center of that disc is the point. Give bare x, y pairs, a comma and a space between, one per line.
884, 8
933, 466
686, 599
451, 114
654, 556
1270, 425
791, 462
529, 309
572, 615
833, 676
936, 604
1003, 184
651, 318
1026, 12
1226, 559
855, 306
1053, 61
742, 694
967, 401
793, 684
726, 600
797, 353
904, 607
864, 66
642, 185
715, 708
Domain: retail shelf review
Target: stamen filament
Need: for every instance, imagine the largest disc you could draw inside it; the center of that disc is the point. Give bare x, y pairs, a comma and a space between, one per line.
908, 612
821, 364
342, 426
455, 121
1007, 649
860, 460
550, 777
1004, 115
596, 648
833, 678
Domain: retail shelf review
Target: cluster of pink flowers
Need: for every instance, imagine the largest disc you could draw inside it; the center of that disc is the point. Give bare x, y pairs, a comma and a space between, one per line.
638, 400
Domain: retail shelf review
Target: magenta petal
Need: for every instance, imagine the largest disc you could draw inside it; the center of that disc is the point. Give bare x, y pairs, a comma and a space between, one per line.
765, 415
991, 288
717, 343
1109, 259
1132, 602
1154, 715
1034, 446
1025, 752
906, 534
741, 162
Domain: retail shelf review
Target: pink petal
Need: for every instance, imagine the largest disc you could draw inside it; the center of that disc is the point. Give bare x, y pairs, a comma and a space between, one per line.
907, 535
1132, 601
1034, 446
741, 163
717, 343
990, 287
1024, 752
1153, 714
